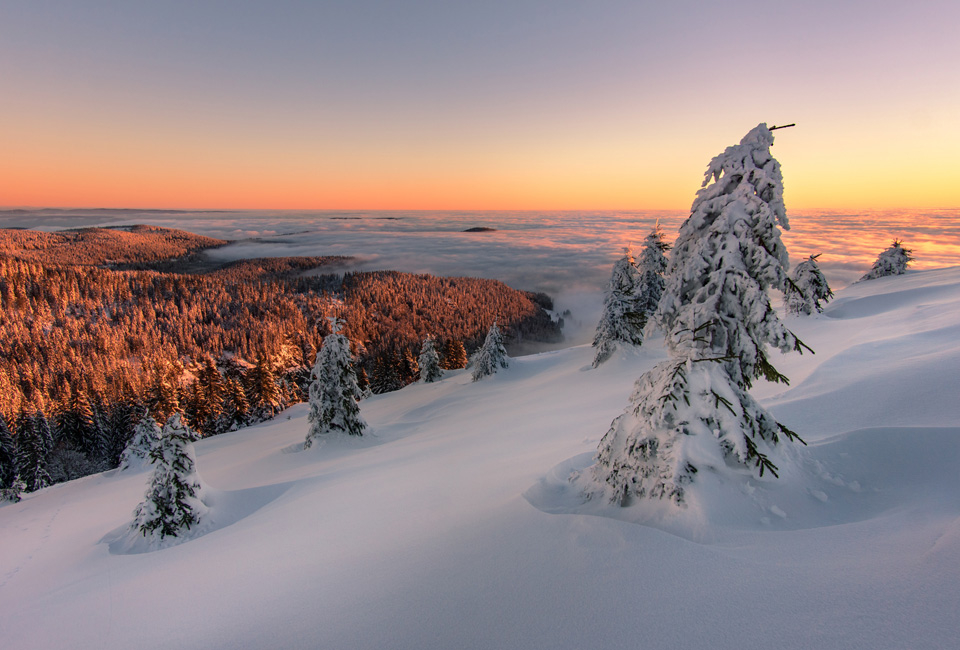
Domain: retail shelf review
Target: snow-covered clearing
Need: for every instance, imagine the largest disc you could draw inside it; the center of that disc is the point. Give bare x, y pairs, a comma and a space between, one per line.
452, 525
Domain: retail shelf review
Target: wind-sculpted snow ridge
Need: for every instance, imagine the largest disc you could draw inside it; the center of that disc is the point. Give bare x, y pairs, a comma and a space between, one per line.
424, 536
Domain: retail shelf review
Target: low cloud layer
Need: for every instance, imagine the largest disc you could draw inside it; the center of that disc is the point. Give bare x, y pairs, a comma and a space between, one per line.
556, 253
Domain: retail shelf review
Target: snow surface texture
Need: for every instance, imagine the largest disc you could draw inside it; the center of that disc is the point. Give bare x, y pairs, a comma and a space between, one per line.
453, 524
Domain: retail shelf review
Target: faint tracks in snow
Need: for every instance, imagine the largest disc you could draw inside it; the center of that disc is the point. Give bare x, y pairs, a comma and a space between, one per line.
44, 537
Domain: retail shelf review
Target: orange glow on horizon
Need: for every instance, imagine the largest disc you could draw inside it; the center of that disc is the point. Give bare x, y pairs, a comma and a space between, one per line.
150, 187
96, 167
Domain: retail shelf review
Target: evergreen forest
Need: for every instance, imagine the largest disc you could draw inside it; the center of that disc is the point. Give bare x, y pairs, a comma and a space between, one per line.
101, 326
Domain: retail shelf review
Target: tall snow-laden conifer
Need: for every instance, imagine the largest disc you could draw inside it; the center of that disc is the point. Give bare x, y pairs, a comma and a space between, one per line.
892, 261
693, 413
429, 362
808, 288
623, 319
491, 356
173, 503
334, 392
137, 452
727, 254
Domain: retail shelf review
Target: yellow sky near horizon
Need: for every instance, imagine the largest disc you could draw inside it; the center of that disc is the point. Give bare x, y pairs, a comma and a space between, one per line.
481, 108
664, 174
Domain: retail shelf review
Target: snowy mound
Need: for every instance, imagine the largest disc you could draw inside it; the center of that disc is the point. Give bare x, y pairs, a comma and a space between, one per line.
832, 483
455, 525
225, 509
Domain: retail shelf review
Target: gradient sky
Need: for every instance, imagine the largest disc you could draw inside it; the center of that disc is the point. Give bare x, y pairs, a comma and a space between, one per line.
472, 105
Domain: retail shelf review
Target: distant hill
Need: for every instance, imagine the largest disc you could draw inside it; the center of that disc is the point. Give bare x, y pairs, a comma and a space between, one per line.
99, 246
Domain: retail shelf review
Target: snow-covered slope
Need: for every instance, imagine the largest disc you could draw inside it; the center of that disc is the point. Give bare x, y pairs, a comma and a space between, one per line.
451, 526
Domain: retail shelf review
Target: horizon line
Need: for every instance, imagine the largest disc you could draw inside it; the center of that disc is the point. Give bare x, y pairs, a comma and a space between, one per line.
33, 208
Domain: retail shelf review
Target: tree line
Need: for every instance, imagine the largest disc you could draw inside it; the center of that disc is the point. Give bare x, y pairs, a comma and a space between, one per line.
87, 349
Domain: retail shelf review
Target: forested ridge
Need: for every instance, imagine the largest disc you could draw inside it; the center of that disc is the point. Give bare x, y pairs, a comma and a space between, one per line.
124, 244
94, 336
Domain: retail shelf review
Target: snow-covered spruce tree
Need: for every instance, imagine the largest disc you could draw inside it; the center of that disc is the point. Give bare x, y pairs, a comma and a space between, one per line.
137, 453
892, 261
429, 362
491, 356
623, 319
334, 392
693, 413
807, 288
173, 503
651, 267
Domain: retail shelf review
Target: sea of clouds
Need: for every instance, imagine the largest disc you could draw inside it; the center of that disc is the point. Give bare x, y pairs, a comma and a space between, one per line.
555, 252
